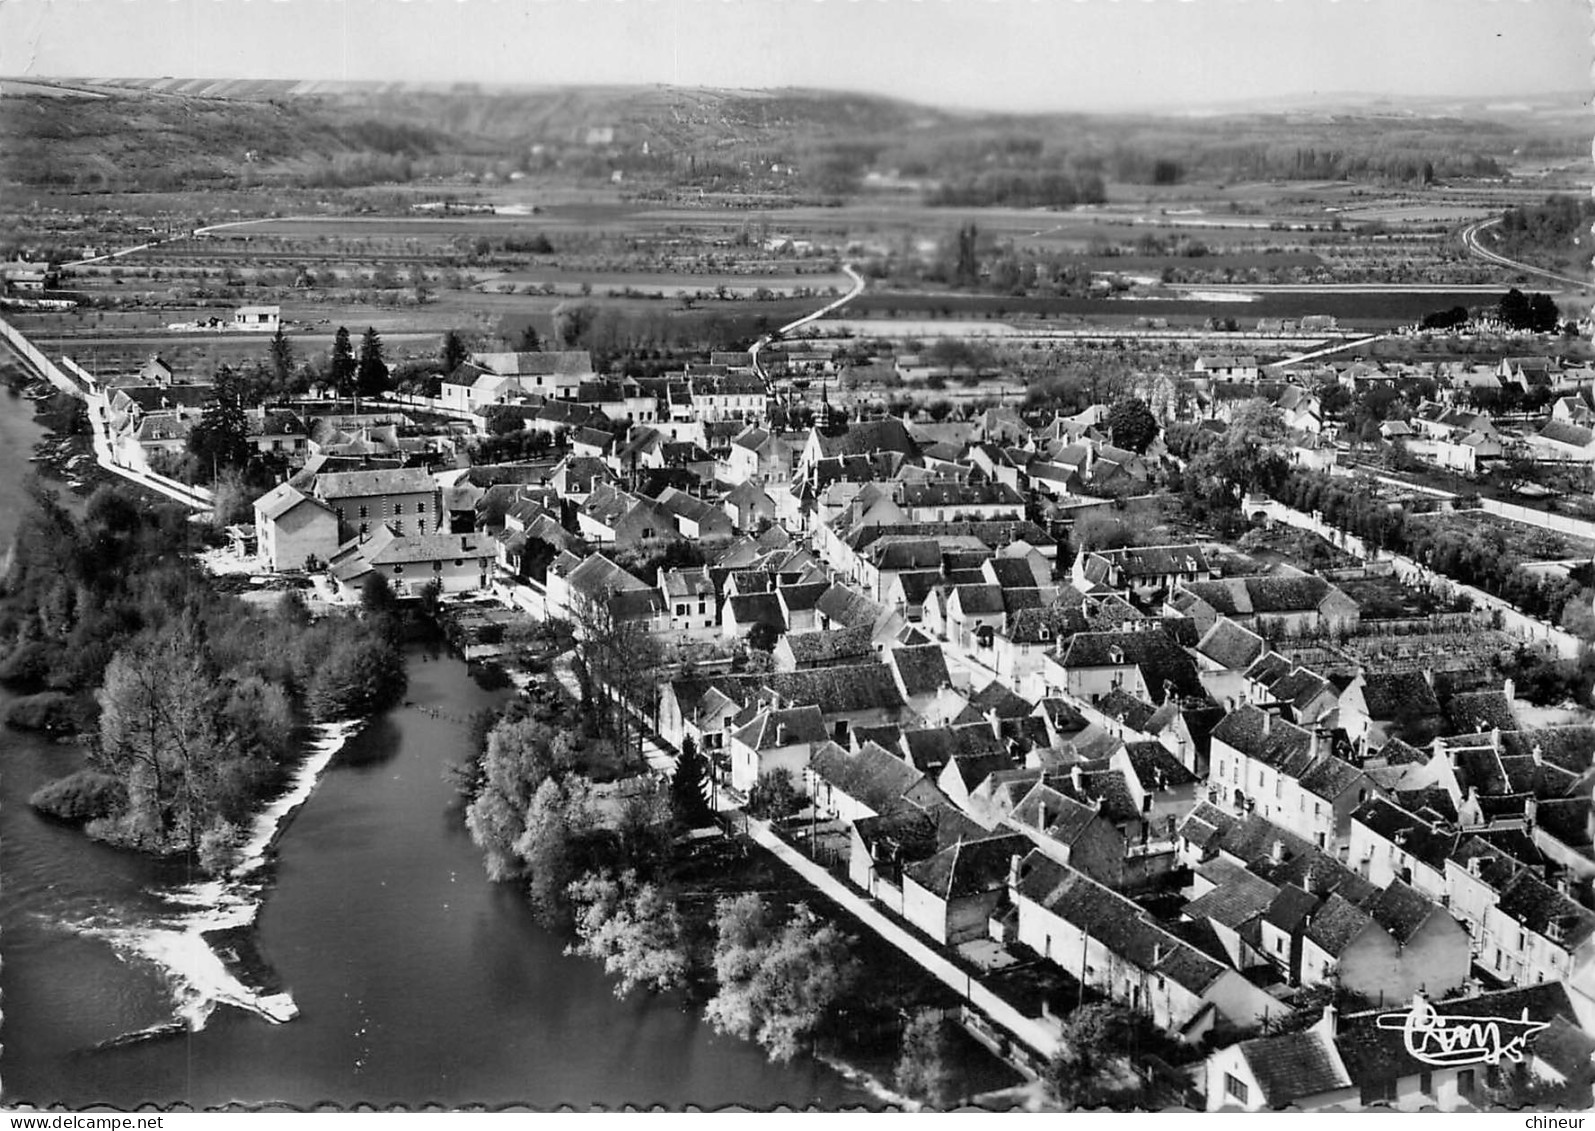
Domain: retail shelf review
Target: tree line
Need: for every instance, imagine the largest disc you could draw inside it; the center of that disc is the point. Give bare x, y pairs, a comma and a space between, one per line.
188, 701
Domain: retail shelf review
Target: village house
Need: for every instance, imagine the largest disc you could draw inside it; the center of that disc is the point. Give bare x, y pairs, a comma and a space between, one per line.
1147, 663
774, 740
457, 563
1286, 774
1275, 605
408, 500
1362, 1060
1388, 947
953, 894
1140, 569
1378, 706
1107, 942
294, 530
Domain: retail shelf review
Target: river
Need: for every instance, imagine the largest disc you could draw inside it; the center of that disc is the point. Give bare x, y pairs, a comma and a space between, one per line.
417, 980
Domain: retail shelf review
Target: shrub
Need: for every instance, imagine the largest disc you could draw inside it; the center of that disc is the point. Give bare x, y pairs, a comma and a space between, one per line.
80, 796
53, 712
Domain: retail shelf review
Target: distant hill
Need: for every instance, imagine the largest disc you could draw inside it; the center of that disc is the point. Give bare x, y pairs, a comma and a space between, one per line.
88, 132
150, 134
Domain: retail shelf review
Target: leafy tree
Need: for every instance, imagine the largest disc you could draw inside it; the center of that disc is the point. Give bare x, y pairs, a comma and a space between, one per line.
1543, 316
371, 377
281, 353
376, 594
559, 817
341, 372
1514, 309
1101, 531
925, 1066
633, 928
777, 985
354, 672
774, 796
519, 756
233, 499
219, 440
454, 352
529, 341
615, 657
502, 419
158, 738
1097, 1049
1132, 425
573, 321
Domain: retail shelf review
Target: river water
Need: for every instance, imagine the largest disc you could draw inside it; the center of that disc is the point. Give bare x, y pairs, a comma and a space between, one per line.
417, 980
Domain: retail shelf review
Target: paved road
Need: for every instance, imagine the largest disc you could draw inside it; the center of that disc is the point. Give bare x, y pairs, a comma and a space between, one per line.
858, 289
1470, 240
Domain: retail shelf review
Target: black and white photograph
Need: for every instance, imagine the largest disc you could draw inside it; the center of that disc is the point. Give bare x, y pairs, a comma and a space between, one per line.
1014, 556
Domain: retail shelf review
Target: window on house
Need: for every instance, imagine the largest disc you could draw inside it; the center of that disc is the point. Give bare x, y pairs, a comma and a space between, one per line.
398, 569
365, 528
437, 567
459, 561
398, 508
1279, 788
1236, 1089
365, 512
420, 508
398, 526
681, 610
1279, 945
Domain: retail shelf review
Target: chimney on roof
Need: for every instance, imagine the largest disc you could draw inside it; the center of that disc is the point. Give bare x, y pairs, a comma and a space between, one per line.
1495, 739
1329, 1023
1276, 852
1315, 744
1531, 811
1564, 884
1509, 689
780, 734
1015, 869
1537, 752
1475, 865
1157, 953
1076, 779
1268, 722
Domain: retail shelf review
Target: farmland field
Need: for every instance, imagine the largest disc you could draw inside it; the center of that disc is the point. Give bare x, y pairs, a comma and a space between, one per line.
1372, 310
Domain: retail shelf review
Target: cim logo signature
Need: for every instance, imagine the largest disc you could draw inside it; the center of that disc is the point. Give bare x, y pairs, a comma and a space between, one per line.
1449, 1041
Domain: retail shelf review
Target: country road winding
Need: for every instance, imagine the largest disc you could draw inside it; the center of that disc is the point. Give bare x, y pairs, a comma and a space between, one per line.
1470, 240
836, 304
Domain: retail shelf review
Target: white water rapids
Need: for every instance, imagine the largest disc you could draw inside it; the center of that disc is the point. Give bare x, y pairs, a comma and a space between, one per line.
176, 945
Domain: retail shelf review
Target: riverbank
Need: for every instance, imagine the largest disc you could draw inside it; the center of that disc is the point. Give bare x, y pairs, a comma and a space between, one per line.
206, 945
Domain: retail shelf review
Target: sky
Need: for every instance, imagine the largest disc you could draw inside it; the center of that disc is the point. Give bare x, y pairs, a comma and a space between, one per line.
1022, 55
